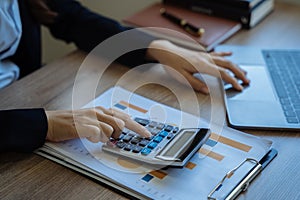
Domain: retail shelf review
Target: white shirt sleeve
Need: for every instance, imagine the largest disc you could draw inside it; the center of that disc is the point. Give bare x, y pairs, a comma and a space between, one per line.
9, 72
10, 32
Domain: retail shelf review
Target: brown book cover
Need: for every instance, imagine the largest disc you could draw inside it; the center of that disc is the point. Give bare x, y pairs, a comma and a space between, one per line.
217, 29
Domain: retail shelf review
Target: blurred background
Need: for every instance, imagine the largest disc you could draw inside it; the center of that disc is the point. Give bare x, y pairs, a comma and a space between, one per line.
116, 9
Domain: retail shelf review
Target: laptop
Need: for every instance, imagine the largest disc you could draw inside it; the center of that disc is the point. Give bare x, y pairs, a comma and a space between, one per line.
272, 100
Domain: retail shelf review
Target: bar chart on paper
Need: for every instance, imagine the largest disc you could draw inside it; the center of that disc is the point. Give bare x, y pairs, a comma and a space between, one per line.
222, 152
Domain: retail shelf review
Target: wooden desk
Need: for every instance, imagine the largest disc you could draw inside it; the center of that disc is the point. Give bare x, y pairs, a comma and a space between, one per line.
28, 176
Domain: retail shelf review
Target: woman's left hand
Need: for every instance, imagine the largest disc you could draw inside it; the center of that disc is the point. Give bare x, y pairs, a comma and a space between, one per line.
188, 62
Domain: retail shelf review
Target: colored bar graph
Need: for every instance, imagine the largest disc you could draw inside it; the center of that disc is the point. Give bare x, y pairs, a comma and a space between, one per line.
211, 154
147, 178
230, 142
211, 142
120, 106
190, 165
158, 174
137, 108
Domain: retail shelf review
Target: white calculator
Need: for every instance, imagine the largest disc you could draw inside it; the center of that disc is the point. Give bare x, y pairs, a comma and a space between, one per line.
168, 145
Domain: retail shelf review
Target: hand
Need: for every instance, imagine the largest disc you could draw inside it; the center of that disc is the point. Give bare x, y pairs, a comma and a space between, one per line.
188, 62
96, 124
41, 12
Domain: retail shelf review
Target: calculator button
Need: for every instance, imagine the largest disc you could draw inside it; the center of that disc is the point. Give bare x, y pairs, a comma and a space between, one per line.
149, 128
154, 131
127, 138
158, 139
120, 144
168, 128
144, 143
121, 136
137, 149
128, 147
175, 130
125, 131
152, 124
139, 137
152, 145
135, 140
163, 133
143, 122
170, 135
150, 138
292, 120
145, 151
160, 126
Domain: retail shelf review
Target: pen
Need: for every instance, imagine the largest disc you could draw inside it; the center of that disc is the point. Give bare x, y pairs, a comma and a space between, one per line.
183, 23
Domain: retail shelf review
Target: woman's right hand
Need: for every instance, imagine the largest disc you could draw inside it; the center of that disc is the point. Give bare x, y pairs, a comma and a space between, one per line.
96, 124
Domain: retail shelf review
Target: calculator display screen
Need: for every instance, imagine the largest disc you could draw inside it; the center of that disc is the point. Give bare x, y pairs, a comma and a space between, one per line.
179, 143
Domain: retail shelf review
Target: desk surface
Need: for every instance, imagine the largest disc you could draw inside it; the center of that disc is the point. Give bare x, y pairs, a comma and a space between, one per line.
28, 176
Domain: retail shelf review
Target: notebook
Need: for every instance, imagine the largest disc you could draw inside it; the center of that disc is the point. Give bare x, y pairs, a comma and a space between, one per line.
272, 100
217, 30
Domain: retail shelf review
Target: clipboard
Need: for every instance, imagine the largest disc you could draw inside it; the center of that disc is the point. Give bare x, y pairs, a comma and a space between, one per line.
245, 182
241, 187
224, 169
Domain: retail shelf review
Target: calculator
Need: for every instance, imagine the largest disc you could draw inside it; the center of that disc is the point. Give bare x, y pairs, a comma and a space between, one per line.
168, 145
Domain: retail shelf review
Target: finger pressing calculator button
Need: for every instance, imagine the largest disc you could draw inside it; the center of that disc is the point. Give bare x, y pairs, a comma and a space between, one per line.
150, 138
152, 145
138, 137
137, 149
153, 131
145, 151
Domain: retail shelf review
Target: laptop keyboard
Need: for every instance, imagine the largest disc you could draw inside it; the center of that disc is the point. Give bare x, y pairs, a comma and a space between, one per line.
284, 69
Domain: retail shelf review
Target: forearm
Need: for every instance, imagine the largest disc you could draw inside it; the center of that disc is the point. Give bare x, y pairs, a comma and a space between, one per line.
87, 29
77, 24
22, 130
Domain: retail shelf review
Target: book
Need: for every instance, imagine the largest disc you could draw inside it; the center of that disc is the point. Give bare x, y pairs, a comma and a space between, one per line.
248, 16
243, 4
217, 30
228, 155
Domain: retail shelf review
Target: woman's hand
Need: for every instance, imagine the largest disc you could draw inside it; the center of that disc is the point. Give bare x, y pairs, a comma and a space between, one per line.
96, 124
188, 62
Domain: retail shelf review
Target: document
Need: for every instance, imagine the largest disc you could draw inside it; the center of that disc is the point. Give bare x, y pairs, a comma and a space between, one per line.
224, 150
